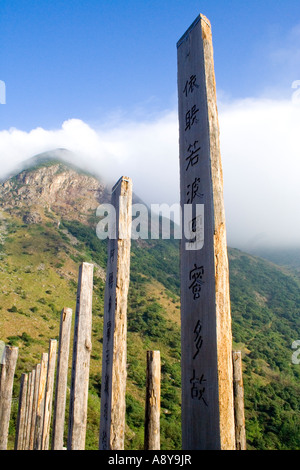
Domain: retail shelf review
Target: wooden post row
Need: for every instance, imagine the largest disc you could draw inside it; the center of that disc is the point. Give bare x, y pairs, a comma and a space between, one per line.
36, 396
36, 390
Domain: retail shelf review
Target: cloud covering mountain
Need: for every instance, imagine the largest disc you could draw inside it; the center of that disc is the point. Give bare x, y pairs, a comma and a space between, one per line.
260, 154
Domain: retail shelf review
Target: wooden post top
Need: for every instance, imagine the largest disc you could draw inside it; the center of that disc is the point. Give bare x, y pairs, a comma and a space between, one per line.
120, 180
85, 263
199, 18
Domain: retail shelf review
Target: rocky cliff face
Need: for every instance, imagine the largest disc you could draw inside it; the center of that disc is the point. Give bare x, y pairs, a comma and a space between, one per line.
53, 187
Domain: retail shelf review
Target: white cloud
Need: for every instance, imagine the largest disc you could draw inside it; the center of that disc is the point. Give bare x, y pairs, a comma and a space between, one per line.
145, 151
260, 142
260, 154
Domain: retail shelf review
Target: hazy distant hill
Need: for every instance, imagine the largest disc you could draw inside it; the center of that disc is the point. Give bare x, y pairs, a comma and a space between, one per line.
288, 257
47, 228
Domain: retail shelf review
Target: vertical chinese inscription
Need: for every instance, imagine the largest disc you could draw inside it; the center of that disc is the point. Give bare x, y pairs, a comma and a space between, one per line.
207, 405
112, 417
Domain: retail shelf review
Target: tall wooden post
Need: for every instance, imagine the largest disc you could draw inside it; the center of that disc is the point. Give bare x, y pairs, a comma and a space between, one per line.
20, 427
40, 407
207, 398
49, 393
152, 409
81, 359
61, 379
113, 407
239, 412
34, 405
6, 388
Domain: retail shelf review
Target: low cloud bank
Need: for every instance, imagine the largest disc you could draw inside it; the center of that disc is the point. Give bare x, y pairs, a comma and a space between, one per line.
260, 154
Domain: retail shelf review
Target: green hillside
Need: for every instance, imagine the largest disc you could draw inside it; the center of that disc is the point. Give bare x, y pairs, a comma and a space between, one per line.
39, 264
266, 320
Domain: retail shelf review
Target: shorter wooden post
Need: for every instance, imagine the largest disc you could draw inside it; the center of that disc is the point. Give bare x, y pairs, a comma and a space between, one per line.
28, 418
238, 391
6, 389
34, 405
41, 403
19, 438
49, 393
61, 379
2, 353
81, 359
152, 410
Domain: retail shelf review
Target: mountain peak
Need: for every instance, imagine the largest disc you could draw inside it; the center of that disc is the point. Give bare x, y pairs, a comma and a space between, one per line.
49, 158
50, 182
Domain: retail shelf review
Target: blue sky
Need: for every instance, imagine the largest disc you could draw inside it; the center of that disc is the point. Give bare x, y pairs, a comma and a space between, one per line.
93, 59
99, 77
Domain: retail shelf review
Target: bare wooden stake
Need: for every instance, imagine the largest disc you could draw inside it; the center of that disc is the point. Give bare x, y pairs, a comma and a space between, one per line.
34, 406
6, 389
152, 409
113, 388
49, 393
61, 379
239, 412
30, 393
20, 427
26, 412
81, 359
41, 403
